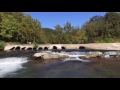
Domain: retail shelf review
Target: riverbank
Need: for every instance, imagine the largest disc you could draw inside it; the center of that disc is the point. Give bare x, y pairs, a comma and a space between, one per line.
92, 46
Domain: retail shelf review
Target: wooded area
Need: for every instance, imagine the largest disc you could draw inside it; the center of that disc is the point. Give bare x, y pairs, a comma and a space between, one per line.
22, 28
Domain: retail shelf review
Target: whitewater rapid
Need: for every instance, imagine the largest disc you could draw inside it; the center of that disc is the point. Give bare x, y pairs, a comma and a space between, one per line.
74, 56
11, 64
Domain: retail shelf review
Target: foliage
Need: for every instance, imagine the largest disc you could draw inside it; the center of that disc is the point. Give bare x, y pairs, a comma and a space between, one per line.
2, 45
17, 27
35, 45
103, 29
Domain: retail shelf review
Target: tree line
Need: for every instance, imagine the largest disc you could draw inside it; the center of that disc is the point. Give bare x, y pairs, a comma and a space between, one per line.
22, 28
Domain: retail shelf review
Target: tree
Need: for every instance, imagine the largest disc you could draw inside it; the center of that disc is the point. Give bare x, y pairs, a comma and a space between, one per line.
59, 33
17, 27
113, 21
96, 18
67, 27
8, 26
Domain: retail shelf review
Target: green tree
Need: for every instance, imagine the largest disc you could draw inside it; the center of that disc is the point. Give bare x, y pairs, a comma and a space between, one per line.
8, 26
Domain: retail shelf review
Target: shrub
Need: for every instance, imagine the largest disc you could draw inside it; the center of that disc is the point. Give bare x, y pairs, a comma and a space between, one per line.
35, 45
2, 45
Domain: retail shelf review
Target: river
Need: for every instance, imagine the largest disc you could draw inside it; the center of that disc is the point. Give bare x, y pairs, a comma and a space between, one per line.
14, 64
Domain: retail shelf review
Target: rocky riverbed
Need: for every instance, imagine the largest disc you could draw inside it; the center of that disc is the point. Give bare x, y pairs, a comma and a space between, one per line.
87, 55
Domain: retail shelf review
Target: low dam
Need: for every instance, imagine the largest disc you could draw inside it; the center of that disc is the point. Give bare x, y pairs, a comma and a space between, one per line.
15, 61
93, 46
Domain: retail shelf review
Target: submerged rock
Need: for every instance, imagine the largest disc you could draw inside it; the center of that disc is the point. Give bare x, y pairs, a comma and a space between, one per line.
88, 56
47, 56
100, 55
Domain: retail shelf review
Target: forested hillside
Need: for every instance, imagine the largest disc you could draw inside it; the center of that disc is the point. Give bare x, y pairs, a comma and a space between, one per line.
18, 27
22, 28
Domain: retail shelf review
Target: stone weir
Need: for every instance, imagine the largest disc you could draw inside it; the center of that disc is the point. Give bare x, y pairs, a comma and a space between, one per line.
92, 46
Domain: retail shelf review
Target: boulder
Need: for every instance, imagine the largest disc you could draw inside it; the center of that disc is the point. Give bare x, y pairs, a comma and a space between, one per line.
39, 54
88, 56
50, 56
47, 56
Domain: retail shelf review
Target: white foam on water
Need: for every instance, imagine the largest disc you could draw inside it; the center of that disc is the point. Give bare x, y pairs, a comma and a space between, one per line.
107, 56
75, 55
74, 59
10, 65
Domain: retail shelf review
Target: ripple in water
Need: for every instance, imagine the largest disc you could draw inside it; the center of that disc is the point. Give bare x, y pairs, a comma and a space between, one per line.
10, 65
74, 58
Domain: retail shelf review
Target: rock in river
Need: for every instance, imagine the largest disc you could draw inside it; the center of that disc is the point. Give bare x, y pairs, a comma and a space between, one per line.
47, 56
92, 56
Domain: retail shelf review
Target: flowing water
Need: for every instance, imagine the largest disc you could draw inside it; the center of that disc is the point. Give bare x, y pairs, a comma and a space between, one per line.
9, 65
14, 64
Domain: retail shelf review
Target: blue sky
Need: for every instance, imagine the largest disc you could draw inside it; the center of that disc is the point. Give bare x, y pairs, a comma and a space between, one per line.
51, 19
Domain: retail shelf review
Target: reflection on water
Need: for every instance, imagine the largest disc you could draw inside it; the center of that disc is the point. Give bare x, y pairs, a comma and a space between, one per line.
73, 67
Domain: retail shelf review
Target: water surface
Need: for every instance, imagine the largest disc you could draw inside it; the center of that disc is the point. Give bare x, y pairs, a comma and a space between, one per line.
14, 64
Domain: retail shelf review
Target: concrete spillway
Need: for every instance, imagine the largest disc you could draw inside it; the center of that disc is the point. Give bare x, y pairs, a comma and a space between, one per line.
94, 46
